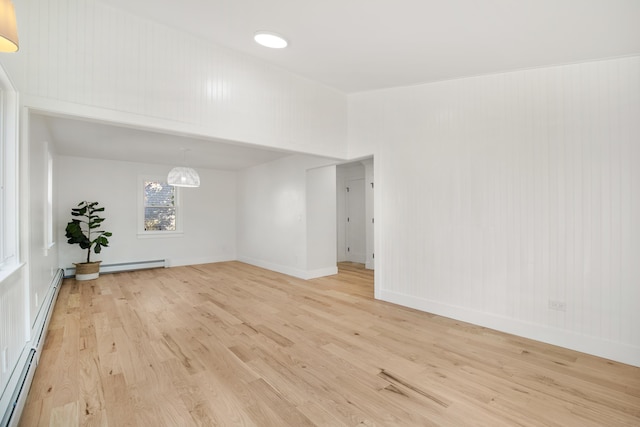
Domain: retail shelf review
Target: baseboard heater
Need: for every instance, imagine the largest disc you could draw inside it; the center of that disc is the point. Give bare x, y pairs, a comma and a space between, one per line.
43, 322
122, 266
18, 399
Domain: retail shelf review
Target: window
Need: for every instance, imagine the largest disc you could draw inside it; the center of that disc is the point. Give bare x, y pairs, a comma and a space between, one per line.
48, 215
8, 177
160, 209
159, 206
3, 204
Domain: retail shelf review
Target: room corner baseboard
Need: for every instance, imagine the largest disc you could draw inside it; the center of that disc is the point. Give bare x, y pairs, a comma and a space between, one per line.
616, 351
321, 272
291, 271
178, 262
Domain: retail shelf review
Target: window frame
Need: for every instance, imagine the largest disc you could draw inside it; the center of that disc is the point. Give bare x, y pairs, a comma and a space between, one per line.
49, 234
9, 179
142, 233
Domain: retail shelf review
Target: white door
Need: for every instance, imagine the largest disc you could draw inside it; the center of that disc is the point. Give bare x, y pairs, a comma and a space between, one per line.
356, 241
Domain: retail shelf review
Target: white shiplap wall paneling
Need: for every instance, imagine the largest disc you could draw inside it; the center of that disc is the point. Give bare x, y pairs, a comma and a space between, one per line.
87, 53
505, 193
13, 325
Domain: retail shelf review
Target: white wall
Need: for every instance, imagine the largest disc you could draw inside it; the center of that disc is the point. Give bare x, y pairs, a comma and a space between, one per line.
209, 213
272, 216
321, 221
14, 298
498, 194
26, 293
14, 331
43, 256
152, 76
85, 58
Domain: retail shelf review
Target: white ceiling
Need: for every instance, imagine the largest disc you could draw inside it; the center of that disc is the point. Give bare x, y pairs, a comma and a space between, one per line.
359, 45
81, 138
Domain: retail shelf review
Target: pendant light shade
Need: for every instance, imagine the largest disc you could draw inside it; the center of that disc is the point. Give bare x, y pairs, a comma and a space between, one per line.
8, 27
183, 177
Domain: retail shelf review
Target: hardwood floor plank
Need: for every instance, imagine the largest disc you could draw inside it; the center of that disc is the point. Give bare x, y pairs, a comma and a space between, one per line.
91, 400
233, 344
226, 407
65, 415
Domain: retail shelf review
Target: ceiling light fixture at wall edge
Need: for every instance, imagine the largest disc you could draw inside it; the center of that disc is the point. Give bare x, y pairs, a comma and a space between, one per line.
8, 27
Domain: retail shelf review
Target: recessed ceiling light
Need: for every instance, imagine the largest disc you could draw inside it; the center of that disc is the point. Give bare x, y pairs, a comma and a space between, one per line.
269, 39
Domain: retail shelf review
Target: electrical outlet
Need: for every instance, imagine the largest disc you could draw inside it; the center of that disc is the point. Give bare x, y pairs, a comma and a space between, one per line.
557, 305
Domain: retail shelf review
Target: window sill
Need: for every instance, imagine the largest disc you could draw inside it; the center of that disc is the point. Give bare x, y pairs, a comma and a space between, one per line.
9, 270
159, 234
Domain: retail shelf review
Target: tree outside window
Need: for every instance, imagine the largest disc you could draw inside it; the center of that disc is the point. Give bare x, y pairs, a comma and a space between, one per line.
160, 207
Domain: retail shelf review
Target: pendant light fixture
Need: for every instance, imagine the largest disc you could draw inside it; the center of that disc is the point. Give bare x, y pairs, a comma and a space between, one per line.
183, 176
8, 27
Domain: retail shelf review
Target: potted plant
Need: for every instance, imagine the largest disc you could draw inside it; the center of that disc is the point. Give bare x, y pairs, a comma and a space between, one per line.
84, 231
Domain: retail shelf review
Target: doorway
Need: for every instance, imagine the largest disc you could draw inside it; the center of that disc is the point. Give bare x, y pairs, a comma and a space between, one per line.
356, 233
355, 212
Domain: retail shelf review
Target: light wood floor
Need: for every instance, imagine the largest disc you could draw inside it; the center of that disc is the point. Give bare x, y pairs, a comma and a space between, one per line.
232, 344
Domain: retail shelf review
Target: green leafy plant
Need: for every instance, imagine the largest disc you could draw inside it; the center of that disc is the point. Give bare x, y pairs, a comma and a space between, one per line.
84, 230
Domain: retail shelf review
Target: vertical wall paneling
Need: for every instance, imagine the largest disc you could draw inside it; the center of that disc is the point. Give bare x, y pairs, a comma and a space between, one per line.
13, 328
86, 53
512, 201
272, 220
14, 307
320, 194
43, 258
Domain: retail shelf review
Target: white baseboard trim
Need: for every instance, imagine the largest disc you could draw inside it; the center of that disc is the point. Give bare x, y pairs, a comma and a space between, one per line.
291, 271
616, 351
143, 265
321, 272
178, 262
117, 267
